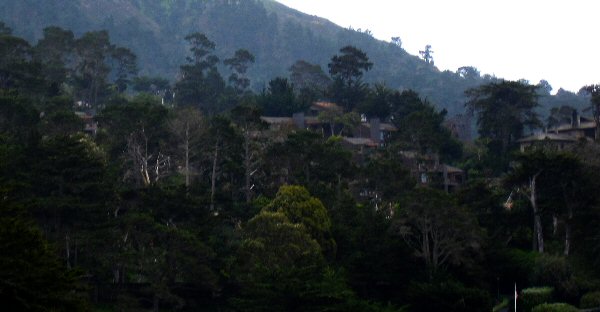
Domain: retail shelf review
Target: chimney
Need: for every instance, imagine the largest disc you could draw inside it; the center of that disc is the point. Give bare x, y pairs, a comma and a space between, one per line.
575, 119
375, 125
299, 121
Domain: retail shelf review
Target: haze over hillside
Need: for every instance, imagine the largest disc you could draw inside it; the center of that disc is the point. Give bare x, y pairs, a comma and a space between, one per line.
278, 36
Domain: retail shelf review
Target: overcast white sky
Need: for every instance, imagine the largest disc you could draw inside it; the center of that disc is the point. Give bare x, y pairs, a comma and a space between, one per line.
556, 40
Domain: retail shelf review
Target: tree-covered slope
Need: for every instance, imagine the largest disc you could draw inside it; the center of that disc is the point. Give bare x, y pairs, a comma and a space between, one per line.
278, 36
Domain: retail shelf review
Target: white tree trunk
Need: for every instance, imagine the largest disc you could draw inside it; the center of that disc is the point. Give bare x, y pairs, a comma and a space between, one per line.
537, 219
213, 179
187, 155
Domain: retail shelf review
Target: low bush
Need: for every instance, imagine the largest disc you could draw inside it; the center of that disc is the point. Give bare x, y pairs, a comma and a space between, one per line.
554, 307
501, 306
558, 273
448, 296
531, 297
590, 300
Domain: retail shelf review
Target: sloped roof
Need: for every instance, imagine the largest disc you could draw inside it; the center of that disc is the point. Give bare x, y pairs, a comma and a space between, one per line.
84, 115
451, 169
321, 105
585, 124
547, 136
361, 141
309, 120
277, 120
384, 126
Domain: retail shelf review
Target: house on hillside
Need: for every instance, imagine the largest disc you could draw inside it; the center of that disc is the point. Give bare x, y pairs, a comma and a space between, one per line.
360, 147
372, 133
562, 136
580, 127
379, 132
550, 141
460, 127
90, 126
428, 170
321, 106
278, 128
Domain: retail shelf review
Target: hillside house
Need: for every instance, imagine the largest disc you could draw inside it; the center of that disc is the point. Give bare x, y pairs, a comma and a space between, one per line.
562, 136
90, 126
580, 127
428, 170
379, 132
460, 127
551, 141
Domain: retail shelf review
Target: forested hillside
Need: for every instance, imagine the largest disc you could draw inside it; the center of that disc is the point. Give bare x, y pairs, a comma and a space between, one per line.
128, 192
276, 35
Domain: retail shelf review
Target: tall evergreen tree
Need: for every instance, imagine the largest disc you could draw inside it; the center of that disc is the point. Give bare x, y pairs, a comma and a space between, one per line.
347, 70
504, 111
201, 84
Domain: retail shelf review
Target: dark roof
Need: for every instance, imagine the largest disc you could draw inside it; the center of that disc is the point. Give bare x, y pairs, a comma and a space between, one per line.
384, 126
582, 126
361, 141
547, 136
319, 106
277, 120
310, 120
451, 169
84, 115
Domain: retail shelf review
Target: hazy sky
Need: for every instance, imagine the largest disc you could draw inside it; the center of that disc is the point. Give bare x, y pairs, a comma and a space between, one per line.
556, 40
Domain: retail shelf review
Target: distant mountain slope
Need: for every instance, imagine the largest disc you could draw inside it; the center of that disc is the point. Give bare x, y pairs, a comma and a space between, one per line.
278, 36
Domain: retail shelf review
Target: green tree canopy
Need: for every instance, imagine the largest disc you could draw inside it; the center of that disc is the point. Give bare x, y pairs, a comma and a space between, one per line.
278, 262
5, 30
305, 75
238, 64
31, 276
56, 51
17, 70
350, 65
504, 111
420, 126
298, 206
594, 92
554, 184
92, 69
347, 70
441, 232
280, 99
201, 84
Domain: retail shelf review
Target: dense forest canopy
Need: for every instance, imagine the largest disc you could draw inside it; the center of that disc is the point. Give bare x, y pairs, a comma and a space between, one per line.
322, 191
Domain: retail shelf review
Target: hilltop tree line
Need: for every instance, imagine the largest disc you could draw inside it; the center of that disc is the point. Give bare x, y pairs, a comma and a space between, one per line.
180, 202
276, 35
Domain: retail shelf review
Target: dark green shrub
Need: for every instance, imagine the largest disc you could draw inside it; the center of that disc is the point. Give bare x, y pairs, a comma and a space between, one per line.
555, 307
448, 296
513, 265
590, 300
531, 297
558, 273
502, 306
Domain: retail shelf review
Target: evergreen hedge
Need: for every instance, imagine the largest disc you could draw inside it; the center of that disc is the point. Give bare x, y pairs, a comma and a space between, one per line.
590, 300
555, 307
531, 297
